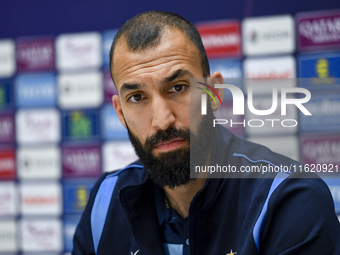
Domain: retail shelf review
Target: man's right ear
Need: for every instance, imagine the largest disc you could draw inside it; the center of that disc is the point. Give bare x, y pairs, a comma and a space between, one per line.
118, 109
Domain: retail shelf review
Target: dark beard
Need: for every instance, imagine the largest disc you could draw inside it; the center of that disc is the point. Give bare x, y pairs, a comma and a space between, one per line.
172, 169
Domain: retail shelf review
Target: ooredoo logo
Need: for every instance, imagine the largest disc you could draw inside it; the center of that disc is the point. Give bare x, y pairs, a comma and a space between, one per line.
7, 164
44, 199
221, 38
269, 68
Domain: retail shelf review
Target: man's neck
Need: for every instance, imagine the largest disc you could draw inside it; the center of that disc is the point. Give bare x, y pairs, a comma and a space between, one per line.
181, 197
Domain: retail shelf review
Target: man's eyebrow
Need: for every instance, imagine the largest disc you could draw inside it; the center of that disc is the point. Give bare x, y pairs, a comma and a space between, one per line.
127, 86
178, 74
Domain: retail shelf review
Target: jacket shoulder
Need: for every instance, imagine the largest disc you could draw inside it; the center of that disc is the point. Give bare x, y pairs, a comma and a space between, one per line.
256, 153
305, 208
88, 231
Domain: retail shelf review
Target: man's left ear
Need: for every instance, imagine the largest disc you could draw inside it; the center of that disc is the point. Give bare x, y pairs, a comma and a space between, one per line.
218, 79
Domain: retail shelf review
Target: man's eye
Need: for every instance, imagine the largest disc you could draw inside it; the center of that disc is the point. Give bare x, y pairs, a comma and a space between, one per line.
136, 98
178, 88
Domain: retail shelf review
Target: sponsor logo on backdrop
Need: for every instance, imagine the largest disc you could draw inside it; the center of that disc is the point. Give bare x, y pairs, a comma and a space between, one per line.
321, 69
7, 58
108, 37
109, 86
318, 30
6, 97
7, 164
221, 38
228, 68
39, 162
321, 149
7, 129
285, 145
231, 71
82, 161
8, 236
35, 54
41, 235
83, 90
81, 125
8, 199
325, 109
280, 67
117, 155
70, 224
268, 35
41, 199
38, 126
35, 90
79, 51
112, 128
76, 195
3, 95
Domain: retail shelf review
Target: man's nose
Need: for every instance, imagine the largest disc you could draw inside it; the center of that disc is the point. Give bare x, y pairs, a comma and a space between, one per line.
162, 114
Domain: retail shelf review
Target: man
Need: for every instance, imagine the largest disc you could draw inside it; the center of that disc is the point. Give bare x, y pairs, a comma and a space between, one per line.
152, 206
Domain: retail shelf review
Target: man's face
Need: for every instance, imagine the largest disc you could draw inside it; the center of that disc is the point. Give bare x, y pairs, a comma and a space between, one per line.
154, 99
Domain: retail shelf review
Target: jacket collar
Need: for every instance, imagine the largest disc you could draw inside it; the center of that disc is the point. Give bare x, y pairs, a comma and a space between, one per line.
138, 203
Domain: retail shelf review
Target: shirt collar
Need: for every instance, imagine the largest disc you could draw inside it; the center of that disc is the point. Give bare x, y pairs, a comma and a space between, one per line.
160, 204
165, 213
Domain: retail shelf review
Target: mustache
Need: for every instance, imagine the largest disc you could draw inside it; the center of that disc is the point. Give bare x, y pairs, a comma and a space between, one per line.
166, 135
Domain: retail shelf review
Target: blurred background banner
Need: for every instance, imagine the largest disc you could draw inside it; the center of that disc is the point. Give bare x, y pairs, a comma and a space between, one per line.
59, 131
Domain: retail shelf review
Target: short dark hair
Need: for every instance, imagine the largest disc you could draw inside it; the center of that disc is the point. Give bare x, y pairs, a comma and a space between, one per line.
146, 29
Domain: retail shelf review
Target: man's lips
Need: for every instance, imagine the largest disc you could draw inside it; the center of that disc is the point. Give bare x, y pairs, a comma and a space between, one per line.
170, 145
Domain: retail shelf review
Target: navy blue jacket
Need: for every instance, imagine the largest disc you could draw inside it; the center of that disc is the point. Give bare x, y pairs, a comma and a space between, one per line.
282, 215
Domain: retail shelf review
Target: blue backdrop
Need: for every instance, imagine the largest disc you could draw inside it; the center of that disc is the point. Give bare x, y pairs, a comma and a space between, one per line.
52, 17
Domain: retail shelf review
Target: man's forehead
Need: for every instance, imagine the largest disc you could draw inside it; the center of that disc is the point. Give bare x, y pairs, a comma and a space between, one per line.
167, 35
174, 44
169, 38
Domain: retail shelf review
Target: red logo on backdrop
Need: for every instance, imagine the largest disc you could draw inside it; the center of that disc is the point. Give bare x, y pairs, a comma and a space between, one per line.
7, 164
221, 39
